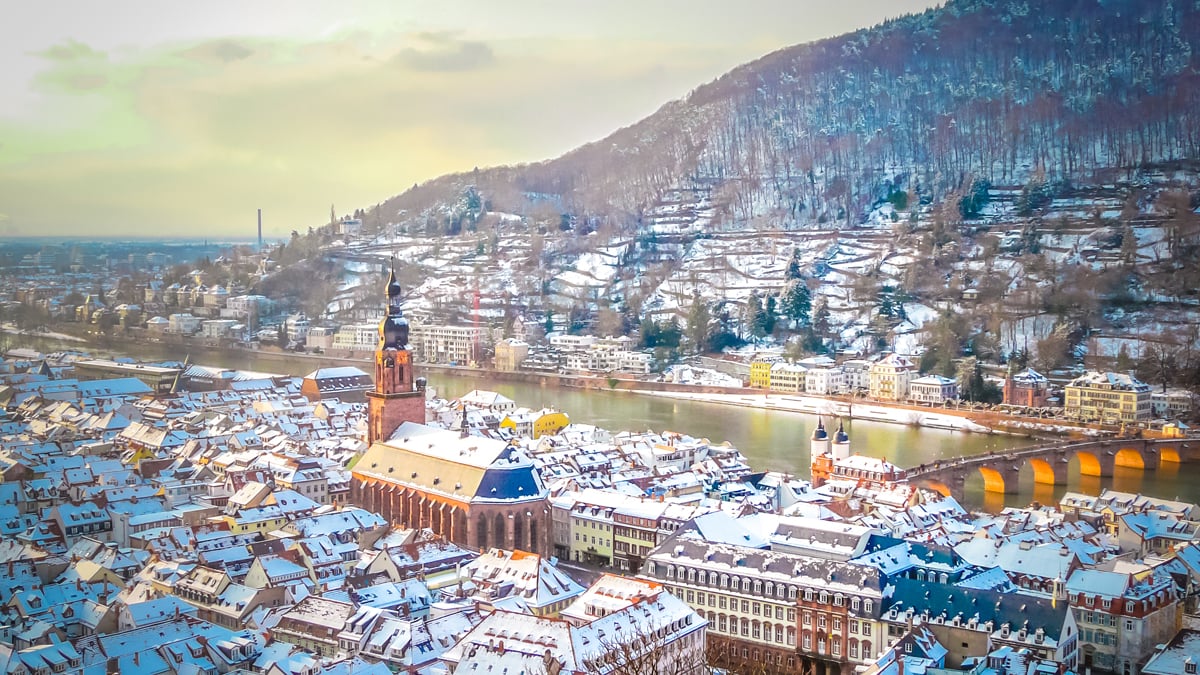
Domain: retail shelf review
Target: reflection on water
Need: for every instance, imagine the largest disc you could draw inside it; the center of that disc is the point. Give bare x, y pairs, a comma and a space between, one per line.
770, 439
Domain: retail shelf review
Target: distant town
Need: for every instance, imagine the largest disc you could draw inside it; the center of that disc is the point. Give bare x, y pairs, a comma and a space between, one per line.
126, 298
164, 518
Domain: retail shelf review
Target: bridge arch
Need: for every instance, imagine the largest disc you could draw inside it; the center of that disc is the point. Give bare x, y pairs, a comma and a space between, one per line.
1169, 455
1089, 463
993, 481
1130, 458
939, 487
1043, 471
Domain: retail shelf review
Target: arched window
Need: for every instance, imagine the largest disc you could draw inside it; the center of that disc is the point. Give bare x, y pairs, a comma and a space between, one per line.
866, 649
519, 533
499, 532
481, 532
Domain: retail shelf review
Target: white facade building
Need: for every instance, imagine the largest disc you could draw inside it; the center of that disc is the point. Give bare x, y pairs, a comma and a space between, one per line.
824, 381
185, 324
933, 389
356, 337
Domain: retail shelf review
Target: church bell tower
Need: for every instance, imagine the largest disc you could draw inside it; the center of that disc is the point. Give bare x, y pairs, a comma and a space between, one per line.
396, 398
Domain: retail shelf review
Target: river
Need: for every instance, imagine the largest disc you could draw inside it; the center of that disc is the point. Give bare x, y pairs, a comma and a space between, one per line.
770, 439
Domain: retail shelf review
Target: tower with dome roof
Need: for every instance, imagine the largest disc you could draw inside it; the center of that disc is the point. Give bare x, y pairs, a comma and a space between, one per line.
397, 397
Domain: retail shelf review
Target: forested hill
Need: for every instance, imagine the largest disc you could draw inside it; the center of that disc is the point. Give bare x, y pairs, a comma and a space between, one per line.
997, 90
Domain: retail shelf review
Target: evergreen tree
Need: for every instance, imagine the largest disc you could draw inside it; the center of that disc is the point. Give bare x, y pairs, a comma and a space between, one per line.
797, 302
885, 305
698, 322
753, 320
1125, 362
549, 324
769, 317
793, 267
1129, 246
821, 321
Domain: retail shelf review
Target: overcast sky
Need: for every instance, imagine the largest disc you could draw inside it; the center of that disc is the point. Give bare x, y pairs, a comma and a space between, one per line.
157, 118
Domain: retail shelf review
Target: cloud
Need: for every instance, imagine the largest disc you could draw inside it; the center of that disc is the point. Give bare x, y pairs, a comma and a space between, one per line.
219, 51
74, 67
72, 50
443, 52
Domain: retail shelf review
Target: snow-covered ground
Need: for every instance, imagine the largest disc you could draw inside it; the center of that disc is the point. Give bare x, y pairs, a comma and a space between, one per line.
822, 406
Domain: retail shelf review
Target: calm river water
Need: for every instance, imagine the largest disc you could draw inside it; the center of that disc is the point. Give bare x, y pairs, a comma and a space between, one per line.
770, 439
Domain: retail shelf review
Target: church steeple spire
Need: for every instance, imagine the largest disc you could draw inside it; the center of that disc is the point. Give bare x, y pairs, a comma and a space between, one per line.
397, 397
393, 330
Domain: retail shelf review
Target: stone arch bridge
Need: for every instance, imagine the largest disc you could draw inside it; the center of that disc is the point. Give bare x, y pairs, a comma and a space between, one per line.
1050, 463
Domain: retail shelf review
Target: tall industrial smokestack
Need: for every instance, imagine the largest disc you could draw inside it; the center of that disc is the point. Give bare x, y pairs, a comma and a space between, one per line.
260, 229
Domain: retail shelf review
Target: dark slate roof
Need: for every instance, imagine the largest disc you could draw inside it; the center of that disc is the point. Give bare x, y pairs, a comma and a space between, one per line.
948, 601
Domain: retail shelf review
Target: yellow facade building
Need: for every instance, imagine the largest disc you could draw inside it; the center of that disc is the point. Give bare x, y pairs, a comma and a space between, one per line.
760, 371
1108, 398
889, 378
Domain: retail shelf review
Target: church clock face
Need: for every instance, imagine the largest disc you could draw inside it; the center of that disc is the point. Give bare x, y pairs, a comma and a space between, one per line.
402, 358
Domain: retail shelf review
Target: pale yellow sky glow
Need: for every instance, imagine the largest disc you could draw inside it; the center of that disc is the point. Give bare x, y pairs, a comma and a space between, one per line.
152, 118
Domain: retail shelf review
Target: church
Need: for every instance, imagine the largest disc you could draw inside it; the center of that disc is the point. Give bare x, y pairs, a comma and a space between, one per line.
477, 492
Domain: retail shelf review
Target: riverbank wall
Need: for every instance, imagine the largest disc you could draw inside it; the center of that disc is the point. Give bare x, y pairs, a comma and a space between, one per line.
981, 421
